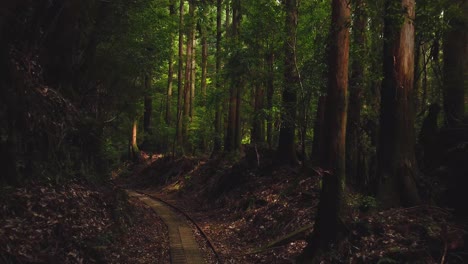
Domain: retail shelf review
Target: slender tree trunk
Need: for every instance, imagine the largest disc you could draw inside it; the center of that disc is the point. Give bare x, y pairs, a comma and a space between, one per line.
270, 92
148, 106
170, 72
396, 158
455, 66
329, 216
286, 152
218, 121
204, 62
193, 71
135, 151
353, 132
188, 77
180, 87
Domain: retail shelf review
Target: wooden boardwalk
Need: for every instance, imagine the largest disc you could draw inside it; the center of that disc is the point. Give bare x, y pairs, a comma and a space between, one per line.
183, 246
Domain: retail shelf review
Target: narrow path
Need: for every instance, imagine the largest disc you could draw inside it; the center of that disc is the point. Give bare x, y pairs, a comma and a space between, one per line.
183, 246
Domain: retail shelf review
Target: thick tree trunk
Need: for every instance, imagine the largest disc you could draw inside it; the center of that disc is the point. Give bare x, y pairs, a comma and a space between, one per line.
286, 152
455, 49
180, 87
396, 158
353, 138
328, 225
218, 115
233, 133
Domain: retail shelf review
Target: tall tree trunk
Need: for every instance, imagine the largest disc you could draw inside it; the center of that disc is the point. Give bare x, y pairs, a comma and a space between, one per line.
233, 133
329, 216
455, 66
286, 153
269, 97
353, 132
218, 115
396, 157
188, 76
204, 61
148, 106
192, 71
180, 87
170, 72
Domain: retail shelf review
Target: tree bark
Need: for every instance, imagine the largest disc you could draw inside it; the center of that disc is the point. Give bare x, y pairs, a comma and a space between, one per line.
269, 97
135, 151
188, 78
180, 87
218, 115
396, 157
286, 153
170, 72
148, 106
455, 49
233, 133
353, 138
328, 225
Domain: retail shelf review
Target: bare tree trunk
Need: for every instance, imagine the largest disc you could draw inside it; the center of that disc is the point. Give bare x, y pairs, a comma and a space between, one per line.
328, 225
233, 133
270, 92
218, 121
188, 77
397, 163
170, 72
135, 151
204, 63
148, 106
455, 67
286, 153
353, 138
193, 71
180, 87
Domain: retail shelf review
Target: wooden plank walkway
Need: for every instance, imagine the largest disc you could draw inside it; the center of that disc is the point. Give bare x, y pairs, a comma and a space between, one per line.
183, 246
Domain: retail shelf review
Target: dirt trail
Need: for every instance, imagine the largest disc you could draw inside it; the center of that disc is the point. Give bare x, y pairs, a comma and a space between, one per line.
183, 246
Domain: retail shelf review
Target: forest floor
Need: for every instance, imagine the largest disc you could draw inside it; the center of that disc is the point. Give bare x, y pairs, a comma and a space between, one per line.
252, 212
255, 213
78, 222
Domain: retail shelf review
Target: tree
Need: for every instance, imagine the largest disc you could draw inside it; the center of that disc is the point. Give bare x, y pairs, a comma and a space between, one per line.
286, 145
217, 120
170, 70
356, 83
180, 87
396, 157
233, 133
455, 64
329, 217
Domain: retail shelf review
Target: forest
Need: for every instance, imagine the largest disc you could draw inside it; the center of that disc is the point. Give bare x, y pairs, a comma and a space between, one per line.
234, 131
